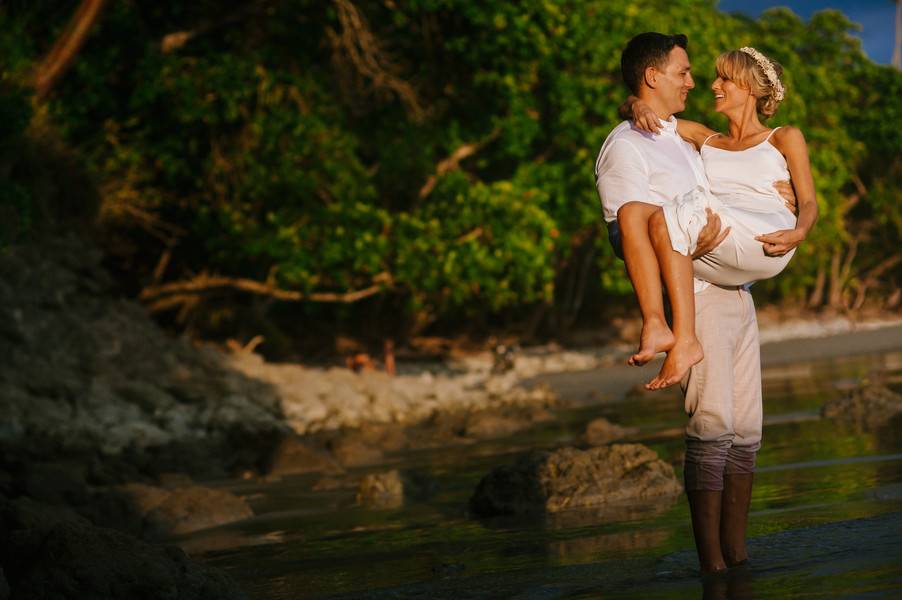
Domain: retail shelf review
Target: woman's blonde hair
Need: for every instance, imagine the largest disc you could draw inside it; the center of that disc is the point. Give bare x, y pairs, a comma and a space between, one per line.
748, 68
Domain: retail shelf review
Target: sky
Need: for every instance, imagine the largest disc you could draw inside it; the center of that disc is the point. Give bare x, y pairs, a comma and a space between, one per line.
877, 17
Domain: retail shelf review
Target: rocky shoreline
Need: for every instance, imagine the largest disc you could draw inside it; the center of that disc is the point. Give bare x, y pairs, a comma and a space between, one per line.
109, 424
109, 421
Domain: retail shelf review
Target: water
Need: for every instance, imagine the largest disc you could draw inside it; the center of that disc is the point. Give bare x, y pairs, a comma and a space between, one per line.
813, 472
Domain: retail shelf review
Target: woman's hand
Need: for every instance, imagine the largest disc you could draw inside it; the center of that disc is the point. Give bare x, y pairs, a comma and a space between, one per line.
780, 242
644, 117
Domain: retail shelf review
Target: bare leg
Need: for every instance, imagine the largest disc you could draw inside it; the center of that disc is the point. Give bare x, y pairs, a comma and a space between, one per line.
734, 513
642, 265
677, 271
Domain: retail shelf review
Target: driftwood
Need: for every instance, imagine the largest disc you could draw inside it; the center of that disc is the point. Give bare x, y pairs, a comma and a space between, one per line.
181, 293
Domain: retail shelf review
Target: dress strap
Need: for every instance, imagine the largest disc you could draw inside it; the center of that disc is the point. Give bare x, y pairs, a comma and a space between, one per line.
708, 138
771, 133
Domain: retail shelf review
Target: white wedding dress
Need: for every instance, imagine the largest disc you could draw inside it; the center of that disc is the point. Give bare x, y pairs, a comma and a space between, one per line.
741, 191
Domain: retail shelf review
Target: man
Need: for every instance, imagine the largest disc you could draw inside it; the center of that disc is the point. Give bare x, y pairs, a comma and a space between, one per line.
635, 173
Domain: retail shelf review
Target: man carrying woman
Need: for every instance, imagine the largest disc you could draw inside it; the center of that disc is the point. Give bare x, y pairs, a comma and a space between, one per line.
664, 205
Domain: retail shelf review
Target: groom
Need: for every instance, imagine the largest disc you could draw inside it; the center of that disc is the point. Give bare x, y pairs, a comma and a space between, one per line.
723, 391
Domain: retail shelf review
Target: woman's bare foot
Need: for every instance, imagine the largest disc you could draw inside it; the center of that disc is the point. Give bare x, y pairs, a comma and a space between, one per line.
680, 359
656, 337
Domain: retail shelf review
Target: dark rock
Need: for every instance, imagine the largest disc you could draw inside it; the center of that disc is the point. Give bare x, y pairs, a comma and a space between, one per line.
54, 483
382, 490
48, 555
353, 452
871, 406
570, 478
328, 484
601, 431
389, 489
193, 508
293, 456
388, 437
488, 424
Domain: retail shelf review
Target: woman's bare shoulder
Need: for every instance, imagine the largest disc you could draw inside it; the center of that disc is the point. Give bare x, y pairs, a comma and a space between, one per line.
693, 131
788, 135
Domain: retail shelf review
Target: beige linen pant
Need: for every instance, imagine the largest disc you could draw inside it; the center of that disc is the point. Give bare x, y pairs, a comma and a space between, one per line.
723, 392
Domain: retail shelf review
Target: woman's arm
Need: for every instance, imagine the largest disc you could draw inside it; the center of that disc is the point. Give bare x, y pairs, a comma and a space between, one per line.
641, 114
647, 120
791, 143
693, 132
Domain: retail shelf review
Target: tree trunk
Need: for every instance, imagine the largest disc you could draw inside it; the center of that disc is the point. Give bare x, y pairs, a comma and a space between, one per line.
66, 47
816, 299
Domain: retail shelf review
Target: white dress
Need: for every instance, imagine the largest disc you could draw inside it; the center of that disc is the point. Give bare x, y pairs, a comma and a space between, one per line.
741, 191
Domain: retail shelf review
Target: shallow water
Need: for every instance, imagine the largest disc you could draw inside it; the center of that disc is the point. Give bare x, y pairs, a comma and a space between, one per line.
813, 472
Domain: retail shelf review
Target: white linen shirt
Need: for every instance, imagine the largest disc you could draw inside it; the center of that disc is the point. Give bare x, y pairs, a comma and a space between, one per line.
634, 165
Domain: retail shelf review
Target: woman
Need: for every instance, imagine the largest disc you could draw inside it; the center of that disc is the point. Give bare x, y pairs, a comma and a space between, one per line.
741, 167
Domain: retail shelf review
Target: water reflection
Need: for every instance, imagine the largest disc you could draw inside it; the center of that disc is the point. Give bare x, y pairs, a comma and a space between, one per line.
606, 545
813, 471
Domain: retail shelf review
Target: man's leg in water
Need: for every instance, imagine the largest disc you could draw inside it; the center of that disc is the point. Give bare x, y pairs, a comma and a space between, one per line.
703, 475
709, 398
747, 421
677, 271
645, 275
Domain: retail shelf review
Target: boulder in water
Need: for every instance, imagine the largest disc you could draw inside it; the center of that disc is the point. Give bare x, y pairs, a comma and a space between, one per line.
871, 406
601, 431
544, 481
193, 508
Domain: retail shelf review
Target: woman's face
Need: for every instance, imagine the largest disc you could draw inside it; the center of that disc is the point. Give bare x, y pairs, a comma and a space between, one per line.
728, 96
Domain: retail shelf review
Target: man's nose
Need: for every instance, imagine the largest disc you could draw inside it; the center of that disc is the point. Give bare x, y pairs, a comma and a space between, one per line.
690, 83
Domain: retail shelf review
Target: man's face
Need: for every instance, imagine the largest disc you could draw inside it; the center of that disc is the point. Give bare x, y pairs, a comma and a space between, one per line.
673, 82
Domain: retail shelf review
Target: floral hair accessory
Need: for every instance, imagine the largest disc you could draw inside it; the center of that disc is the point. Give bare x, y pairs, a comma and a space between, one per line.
768, 69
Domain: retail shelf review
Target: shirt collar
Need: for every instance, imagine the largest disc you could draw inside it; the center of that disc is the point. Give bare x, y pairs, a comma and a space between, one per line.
669, 125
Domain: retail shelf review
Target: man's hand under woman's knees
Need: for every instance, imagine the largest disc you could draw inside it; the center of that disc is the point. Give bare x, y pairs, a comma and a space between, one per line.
711, 235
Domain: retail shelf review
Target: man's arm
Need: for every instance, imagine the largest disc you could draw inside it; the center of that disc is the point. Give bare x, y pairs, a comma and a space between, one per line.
621, 176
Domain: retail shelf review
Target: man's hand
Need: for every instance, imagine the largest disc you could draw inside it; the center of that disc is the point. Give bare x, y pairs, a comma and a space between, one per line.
785, 189
780, 242
710, 235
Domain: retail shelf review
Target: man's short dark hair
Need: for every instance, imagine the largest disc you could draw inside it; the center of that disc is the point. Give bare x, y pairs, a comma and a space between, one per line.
647, 50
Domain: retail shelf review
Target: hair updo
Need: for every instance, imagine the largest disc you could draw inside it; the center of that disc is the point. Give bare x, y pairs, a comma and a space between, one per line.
748, 73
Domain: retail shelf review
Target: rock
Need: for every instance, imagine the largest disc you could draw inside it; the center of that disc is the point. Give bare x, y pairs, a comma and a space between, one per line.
489, 424
194, 508
388, 437
292, 456
601, 431
4, 586
48, 556
143, 498
328, 484
381, 490
871, 406
54, 483
570, 478
353, 452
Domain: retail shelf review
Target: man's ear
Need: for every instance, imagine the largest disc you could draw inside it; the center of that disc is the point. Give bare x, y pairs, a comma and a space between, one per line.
651, 76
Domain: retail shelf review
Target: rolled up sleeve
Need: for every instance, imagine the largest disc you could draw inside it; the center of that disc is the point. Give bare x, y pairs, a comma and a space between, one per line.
621, 176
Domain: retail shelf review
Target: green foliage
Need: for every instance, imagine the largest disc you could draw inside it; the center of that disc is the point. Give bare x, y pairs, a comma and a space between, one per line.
16, 205
282, 142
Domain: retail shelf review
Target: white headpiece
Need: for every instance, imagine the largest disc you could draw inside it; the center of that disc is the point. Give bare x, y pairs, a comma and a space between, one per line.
768, 69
